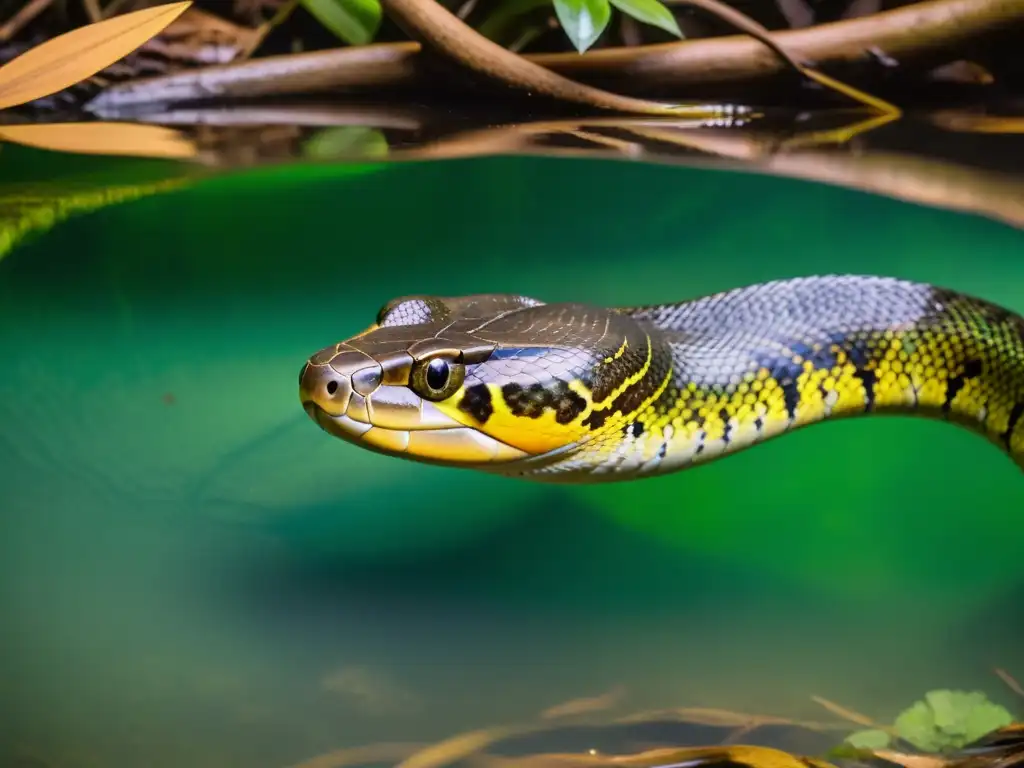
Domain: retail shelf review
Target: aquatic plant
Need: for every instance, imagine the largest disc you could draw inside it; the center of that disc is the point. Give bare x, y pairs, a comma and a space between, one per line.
943, 720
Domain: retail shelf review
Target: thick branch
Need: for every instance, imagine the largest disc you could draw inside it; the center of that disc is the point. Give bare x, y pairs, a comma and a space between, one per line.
921, 31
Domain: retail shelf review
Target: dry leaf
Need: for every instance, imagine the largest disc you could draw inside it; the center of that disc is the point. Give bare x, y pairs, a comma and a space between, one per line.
700, 716
849, 714
81, 53
584, 705
373, 753
103, 139
457, 747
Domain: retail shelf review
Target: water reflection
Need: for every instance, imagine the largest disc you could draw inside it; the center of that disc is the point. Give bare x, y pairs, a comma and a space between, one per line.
182, 553
962, 160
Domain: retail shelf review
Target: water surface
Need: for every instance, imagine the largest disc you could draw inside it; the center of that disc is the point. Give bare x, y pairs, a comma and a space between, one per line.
192, 574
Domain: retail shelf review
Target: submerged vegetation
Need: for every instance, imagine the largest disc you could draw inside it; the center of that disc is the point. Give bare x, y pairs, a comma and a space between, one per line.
946, 729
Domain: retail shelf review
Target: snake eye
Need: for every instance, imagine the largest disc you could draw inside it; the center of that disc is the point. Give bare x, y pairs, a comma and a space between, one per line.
437, 378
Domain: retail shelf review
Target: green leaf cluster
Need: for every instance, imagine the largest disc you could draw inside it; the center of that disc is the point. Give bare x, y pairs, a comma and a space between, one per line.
585, 20
358, 21
944, 720
354, 21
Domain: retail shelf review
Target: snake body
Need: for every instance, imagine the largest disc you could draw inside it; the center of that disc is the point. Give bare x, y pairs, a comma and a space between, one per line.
568, 392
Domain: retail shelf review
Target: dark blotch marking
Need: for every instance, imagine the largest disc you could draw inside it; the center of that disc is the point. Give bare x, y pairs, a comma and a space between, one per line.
790, 395
596, 419
533, 400
477, 403
569, 405
785, 371
636, 428
972, 368
526, 401
1015, 414
855, 346
723, 414
868, 378
759, 423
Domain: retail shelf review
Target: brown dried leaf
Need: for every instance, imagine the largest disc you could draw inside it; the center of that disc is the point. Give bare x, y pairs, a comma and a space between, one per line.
373, 753
72, 57
103, 139
694, 715
457, 747
849, 714
584, 705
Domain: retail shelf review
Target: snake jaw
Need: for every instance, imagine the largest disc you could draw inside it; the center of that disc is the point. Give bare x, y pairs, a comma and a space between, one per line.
348, 400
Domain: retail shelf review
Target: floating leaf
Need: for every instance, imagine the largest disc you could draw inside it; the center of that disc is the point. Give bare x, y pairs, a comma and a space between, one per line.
583, 20
873, 739
81, 53
102, 139
354, 21
950, 720
650, 12
358, 142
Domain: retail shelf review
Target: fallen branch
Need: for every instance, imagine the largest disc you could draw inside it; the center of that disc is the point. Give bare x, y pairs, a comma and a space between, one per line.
918, 33
443, 32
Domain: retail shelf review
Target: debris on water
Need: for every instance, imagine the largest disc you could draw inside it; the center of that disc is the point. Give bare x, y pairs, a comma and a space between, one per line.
964, 730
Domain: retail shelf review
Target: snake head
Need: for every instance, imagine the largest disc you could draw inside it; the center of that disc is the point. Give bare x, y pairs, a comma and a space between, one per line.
488, 381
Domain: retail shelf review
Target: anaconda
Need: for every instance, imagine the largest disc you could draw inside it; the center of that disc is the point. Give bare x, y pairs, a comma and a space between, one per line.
568, 392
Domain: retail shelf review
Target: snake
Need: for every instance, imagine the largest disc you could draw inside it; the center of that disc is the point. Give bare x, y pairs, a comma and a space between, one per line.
569, 392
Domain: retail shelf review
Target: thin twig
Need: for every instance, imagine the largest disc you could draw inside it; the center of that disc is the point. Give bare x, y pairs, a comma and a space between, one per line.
18, 21
93, 10
849, 714
744, 23
258, 35
113, 7
1010, 681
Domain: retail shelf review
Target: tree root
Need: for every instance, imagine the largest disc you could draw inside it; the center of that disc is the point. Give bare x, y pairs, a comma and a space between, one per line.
921, 33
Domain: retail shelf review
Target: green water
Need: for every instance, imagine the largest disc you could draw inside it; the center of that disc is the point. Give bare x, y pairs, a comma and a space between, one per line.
192, 574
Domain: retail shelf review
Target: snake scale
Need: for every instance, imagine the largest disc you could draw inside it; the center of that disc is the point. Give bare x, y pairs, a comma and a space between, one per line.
567, 392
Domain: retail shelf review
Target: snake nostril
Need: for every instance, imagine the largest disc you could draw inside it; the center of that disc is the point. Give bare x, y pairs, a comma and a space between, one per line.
332, 387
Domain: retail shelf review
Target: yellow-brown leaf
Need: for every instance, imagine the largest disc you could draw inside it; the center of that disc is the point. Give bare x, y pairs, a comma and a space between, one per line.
76, 55
102, 139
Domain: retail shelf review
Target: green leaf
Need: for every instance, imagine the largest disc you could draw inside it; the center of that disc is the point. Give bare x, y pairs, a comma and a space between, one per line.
583, 20
507, 12
949, 709
873, 739
916, 725
354, 21
346, 142
984, 719
650, 12
950, 720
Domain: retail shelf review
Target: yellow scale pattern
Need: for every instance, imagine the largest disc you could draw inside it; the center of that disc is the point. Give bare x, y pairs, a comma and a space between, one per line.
911, 371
